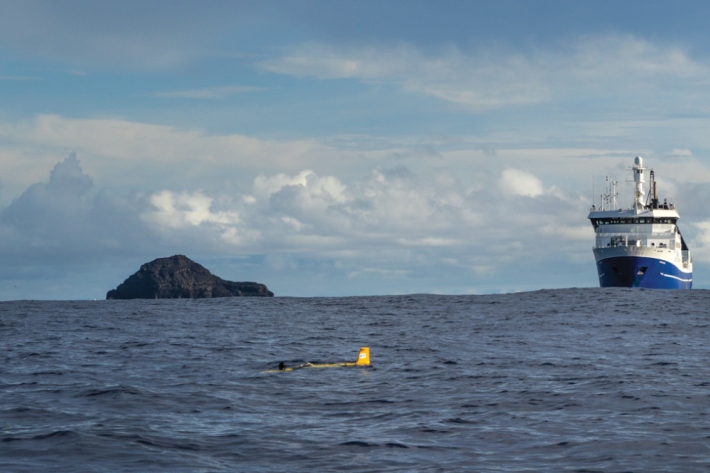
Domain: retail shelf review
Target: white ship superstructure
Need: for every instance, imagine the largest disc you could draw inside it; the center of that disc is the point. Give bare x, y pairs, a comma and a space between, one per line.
640, 246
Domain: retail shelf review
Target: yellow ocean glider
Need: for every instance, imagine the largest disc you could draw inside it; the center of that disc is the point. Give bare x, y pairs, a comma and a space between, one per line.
363, 359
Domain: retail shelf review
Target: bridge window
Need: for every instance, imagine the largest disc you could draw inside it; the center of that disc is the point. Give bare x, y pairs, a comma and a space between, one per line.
597, 222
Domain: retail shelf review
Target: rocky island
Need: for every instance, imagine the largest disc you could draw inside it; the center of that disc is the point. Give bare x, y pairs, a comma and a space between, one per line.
178, 277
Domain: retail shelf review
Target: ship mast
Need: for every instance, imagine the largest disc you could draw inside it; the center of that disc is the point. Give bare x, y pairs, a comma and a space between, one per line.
638, 170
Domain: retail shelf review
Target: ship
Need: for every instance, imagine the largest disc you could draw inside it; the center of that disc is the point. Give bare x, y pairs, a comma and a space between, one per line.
641, 246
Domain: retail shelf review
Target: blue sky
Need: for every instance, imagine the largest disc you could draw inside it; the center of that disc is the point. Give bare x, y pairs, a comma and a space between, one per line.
340, 148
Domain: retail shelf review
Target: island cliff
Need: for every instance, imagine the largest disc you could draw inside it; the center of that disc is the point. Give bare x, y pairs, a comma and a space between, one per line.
179, 277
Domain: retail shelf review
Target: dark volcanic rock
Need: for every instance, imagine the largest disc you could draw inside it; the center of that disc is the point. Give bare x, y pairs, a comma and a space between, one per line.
179, 277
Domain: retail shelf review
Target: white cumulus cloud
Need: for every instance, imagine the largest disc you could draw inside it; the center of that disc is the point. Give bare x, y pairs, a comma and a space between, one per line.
178, 210
518, 182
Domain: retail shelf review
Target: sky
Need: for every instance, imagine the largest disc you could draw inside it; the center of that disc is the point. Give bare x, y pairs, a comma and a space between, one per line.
341, 148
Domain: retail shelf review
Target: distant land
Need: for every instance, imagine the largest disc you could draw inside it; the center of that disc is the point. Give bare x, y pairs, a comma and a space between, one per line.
178, 277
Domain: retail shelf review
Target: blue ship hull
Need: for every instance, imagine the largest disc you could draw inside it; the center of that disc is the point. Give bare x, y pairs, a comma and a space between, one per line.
639, 271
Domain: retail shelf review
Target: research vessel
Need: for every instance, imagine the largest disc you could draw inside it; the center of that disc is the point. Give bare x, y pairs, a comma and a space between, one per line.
640, 246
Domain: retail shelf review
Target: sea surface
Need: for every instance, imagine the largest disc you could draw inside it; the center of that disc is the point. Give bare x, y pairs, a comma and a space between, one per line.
586, 380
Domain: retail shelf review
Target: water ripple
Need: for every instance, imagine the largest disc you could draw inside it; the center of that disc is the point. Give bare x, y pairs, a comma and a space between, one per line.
573, 380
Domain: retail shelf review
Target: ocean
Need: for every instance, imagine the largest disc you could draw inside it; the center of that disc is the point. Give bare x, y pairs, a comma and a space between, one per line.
580, 380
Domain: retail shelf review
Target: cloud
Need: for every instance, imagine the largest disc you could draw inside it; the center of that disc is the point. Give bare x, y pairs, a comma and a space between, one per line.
517, 182
389, 211
180, 210
681, 153
143, 155
62, 222
132, 155
491, 79
452, 76
305, 190
19, 78
46, 209
209, 93
701, 239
